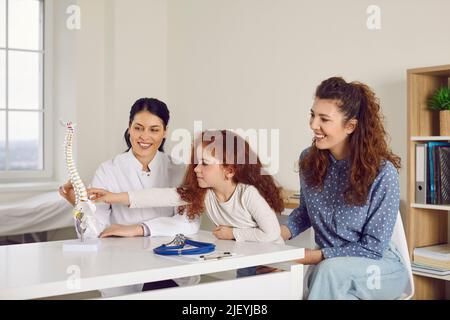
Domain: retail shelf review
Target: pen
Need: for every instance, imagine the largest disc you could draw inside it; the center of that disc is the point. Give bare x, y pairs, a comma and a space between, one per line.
215, 256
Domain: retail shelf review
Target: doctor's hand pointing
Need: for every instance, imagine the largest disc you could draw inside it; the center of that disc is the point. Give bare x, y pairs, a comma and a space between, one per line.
102, 195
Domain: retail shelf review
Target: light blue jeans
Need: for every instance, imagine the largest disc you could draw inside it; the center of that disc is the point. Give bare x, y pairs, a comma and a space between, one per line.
351, 278
245, 272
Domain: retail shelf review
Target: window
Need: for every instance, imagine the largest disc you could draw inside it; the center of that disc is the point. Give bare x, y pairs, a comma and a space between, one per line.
24, 113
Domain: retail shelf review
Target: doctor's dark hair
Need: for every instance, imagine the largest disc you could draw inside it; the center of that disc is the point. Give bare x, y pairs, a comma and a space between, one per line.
154, 106
368, 143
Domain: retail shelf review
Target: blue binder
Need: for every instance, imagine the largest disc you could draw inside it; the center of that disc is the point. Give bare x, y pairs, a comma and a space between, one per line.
431, 146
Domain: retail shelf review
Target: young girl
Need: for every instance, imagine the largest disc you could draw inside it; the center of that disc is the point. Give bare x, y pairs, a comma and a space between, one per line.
350, 196
225, 180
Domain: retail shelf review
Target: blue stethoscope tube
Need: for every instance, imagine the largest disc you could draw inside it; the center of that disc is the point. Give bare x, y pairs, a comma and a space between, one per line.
200, 248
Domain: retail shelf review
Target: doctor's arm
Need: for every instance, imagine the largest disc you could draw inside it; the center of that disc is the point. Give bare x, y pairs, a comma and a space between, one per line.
170, 226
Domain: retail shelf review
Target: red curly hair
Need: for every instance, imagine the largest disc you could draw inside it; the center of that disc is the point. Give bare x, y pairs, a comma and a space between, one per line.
368, 142
234, 153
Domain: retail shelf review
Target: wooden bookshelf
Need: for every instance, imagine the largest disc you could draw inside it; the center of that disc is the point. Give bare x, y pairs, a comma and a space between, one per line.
443, 208
431, 138
426, 224
434, 276
289, 199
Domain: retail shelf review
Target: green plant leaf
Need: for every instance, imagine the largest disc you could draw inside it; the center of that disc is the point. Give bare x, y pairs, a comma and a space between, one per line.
440, 100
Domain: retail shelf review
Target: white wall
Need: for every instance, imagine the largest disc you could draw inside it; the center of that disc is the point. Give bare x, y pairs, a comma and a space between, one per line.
136, 62
121, 56
256, 63
118, 55
233, 64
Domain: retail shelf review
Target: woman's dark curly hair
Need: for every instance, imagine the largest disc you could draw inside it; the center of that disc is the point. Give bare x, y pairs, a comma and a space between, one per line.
368, 142
234, 153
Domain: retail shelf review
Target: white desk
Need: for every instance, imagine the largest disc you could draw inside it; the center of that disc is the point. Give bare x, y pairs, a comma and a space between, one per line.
39, 270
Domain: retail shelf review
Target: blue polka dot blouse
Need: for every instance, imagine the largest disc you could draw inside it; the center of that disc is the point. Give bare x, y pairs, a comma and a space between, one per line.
348, 230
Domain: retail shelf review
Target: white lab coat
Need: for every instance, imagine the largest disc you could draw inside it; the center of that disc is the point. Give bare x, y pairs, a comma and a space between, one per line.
124, 173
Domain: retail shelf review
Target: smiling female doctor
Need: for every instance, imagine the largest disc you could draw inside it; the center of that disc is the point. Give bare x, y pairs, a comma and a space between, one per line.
143, 166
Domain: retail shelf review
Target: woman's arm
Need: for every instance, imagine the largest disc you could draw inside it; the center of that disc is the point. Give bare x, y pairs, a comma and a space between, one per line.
311, 257
298, 221
123, 230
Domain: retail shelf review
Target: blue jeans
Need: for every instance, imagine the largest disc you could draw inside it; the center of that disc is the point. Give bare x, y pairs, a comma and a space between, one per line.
245, 272
351, 278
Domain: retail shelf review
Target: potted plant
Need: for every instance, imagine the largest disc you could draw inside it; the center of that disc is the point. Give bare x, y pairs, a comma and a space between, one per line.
441, 101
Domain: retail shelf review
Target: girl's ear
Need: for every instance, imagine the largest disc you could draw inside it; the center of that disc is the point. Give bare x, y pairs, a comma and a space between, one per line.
228, 172
351, 126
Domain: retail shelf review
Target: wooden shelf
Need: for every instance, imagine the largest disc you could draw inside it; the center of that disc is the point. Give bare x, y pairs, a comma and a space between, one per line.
290, 202
427, 224
431, 206
434, 276
431, 138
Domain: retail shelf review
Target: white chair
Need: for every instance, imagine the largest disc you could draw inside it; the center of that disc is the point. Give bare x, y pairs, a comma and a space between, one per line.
399, 240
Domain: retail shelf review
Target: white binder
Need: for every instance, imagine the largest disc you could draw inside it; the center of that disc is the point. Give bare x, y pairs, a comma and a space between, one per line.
421, 172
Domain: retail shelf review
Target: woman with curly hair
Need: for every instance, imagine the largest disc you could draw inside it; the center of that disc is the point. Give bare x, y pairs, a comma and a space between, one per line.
350, 196
226, 180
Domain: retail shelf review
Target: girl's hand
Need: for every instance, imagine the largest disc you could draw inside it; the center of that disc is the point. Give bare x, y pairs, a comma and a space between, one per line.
223, 233
102, 195
120, 230
285, 233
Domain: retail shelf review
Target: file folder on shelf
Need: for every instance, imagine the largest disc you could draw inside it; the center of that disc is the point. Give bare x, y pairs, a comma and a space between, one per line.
444, 175
433, 170
421, 173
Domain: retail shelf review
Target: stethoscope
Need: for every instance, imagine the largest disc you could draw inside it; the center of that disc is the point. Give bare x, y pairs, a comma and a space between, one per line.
175, 247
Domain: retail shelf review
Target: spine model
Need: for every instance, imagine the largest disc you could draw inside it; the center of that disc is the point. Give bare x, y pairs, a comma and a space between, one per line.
84, 208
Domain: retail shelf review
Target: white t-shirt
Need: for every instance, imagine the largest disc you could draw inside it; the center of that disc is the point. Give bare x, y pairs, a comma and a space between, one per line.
247, 212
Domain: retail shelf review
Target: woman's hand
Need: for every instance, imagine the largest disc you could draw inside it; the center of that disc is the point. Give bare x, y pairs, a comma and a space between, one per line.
102, 195
285, 233
311, 257
67, 192
120, 230
223, 233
